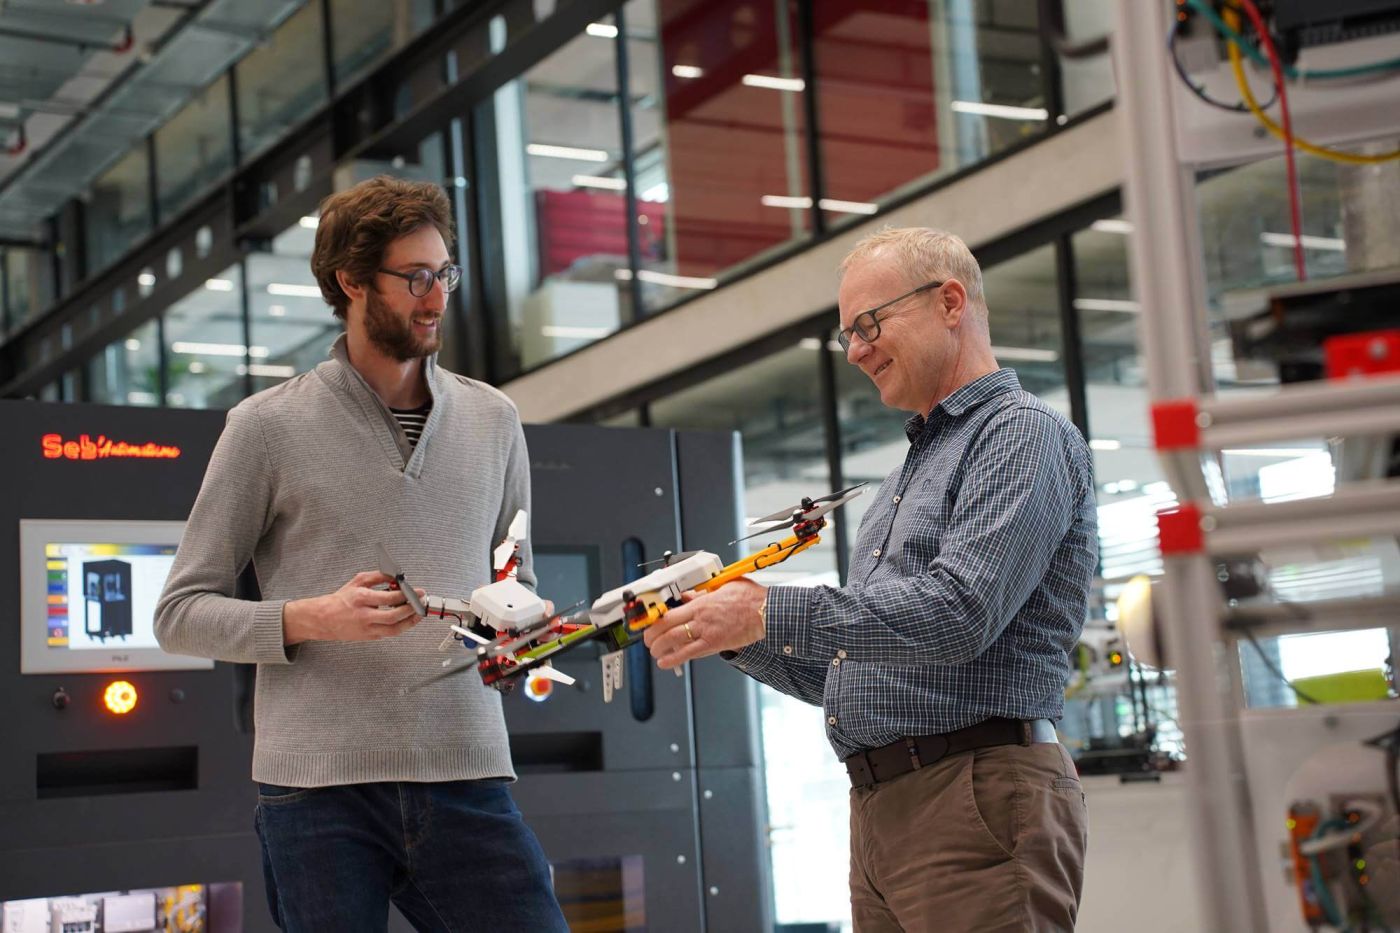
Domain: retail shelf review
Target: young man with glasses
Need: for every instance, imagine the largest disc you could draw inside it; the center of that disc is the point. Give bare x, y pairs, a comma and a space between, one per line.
366, 794
942, 663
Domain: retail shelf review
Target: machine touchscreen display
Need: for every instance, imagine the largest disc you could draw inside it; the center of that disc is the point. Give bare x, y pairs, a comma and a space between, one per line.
89, 593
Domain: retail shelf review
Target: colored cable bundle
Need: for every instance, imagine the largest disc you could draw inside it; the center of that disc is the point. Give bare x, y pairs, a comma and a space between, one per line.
1237, 46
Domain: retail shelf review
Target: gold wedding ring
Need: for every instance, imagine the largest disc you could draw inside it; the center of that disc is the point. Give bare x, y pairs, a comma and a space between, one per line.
686, 626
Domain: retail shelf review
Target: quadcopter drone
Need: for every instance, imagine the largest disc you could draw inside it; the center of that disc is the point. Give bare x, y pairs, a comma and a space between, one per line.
500, 610
514, 635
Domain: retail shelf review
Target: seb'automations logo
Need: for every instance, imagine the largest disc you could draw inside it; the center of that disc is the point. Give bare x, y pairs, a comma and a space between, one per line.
85, 448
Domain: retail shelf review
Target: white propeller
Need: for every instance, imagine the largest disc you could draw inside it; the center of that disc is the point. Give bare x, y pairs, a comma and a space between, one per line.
550, 672
468, 633
515, 534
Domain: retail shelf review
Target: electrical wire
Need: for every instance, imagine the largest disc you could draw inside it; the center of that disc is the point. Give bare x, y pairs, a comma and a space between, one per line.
1322, 152
1199, 89
1276, 672
1322, 890
1302, 74
1295, 206
1234, 44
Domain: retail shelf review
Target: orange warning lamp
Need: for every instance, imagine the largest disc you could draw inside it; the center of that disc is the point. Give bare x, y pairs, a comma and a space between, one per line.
120, 697
538, 688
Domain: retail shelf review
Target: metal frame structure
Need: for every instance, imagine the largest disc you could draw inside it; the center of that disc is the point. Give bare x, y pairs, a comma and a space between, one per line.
1201, 632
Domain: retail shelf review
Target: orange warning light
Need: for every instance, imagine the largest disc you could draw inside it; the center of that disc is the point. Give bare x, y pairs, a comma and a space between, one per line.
538, 688
120, 697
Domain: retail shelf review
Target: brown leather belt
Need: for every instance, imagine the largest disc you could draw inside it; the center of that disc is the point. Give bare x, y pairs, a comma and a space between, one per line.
910, 754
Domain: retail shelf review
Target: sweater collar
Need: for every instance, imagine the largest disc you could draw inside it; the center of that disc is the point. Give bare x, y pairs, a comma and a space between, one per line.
343, 377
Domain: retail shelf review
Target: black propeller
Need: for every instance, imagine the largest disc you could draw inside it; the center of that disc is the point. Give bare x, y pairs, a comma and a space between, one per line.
805, 505
389, 568
806, 513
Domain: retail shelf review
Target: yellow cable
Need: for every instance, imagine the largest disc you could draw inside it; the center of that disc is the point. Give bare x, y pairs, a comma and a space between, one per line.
1335, 155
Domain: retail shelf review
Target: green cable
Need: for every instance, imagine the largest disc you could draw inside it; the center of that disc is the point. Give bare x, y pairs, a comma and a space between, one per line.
1205, 9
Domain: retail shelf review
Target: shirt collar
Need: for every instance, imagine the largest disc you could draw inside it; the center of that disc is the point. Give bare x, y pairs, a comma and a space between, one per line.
965, 399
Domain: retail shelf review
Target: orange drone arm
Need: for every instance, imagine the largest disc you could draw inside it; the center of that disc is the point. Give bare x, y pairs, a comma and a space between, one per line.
773, 554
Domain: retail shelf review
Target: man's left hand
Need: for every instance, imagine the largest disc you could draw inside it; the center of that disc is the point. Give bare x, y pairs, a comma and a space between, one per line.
708, 623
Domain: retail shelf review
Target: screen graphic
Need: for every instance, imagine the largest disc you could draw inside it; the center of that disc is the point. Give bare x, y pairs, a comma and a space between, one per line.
104, 595
88, 595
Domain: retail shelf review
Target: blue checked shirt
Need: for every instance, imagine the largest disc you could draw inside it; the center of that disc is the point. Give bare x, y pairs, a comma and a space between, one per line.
968, 587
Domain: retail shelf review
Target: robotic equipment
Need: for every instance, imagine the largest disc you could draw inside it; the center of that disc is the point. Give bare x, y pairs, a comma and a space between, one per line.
1295, 811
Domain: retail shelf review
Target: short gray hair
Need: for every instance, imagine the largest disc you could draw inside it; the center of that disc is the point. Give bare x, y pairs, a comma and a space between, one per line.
924, 255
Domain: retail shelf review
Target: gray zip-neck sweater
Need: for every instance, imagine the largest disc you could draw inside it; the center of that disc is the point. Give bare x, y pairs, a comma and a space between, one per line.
304, 481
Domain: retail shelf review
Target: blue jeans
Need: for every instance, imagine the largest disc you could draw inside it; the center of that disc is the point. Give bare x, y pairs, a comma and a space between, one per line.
453, 856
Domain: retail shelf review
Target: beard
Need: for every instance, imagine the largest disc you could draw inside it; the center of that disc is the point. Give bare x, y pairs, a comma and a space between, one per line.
392, 334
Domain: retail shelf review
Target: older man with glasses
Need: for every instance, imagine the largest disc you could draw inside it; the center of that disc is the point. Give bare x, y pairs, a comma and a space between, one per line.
942, 663
368, 795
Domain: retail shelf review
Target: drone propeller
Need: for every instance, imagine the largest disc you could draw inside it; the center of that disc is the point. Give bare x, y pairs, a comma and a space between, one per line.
548, 671
828, 503
807, 504
468, 633
519, 527
389, 568
667, 559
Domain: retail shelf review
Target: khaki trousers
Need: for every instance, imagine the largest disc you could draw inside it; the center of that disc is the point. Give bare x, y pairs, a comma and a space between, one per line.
987, 840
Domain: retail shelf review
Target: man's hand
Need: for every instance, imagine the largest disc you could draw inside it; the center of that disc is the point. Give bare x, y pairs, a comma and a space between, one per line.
355, 612
708, 623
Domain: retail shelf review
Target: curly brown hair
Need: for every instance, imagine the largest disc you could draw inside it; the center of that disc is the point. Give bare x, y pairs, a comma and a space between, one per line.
358, 224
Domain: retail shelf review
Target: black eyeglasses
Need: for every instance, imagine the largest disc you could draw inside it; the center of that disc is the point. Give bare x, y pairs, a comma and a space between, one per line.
867, 324
420, 281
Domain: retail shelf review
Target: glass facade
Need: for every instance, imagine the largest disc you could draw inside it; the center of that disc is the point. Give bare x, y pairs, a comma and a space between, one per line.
364, 33
663, 150
206, 351
194, 149
26, 285
287, 315
128, 371
559, 216
281, 82
118, 210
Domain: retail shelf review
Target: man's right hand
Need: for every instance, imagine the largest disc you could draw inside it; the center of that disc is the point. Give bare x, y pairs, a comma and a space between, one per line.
355, 612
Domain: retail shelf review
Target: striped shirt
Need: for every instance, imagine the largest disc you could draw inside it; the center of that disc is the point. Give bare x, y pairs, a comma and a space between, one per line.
412, 420
969, 583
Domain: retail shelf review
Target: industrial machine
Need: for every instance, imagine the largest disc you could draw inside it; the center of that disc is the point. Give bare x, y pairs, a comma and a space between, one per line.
125, 787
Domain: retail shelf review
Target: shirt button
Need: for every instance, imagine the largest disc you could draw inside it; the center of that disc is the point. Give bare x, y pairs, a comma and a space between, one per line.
875, 553
787, 649
841, 653
896, 500
831, 720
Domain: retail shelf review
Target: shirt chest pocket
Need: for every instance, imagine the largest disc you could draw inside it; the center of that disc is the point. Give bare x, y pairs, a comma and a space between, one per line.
921, 524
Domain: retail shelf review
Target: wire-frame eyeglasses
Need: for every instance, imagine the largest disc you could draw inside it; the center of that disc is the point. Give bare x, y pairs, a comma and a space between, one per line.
866, 326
